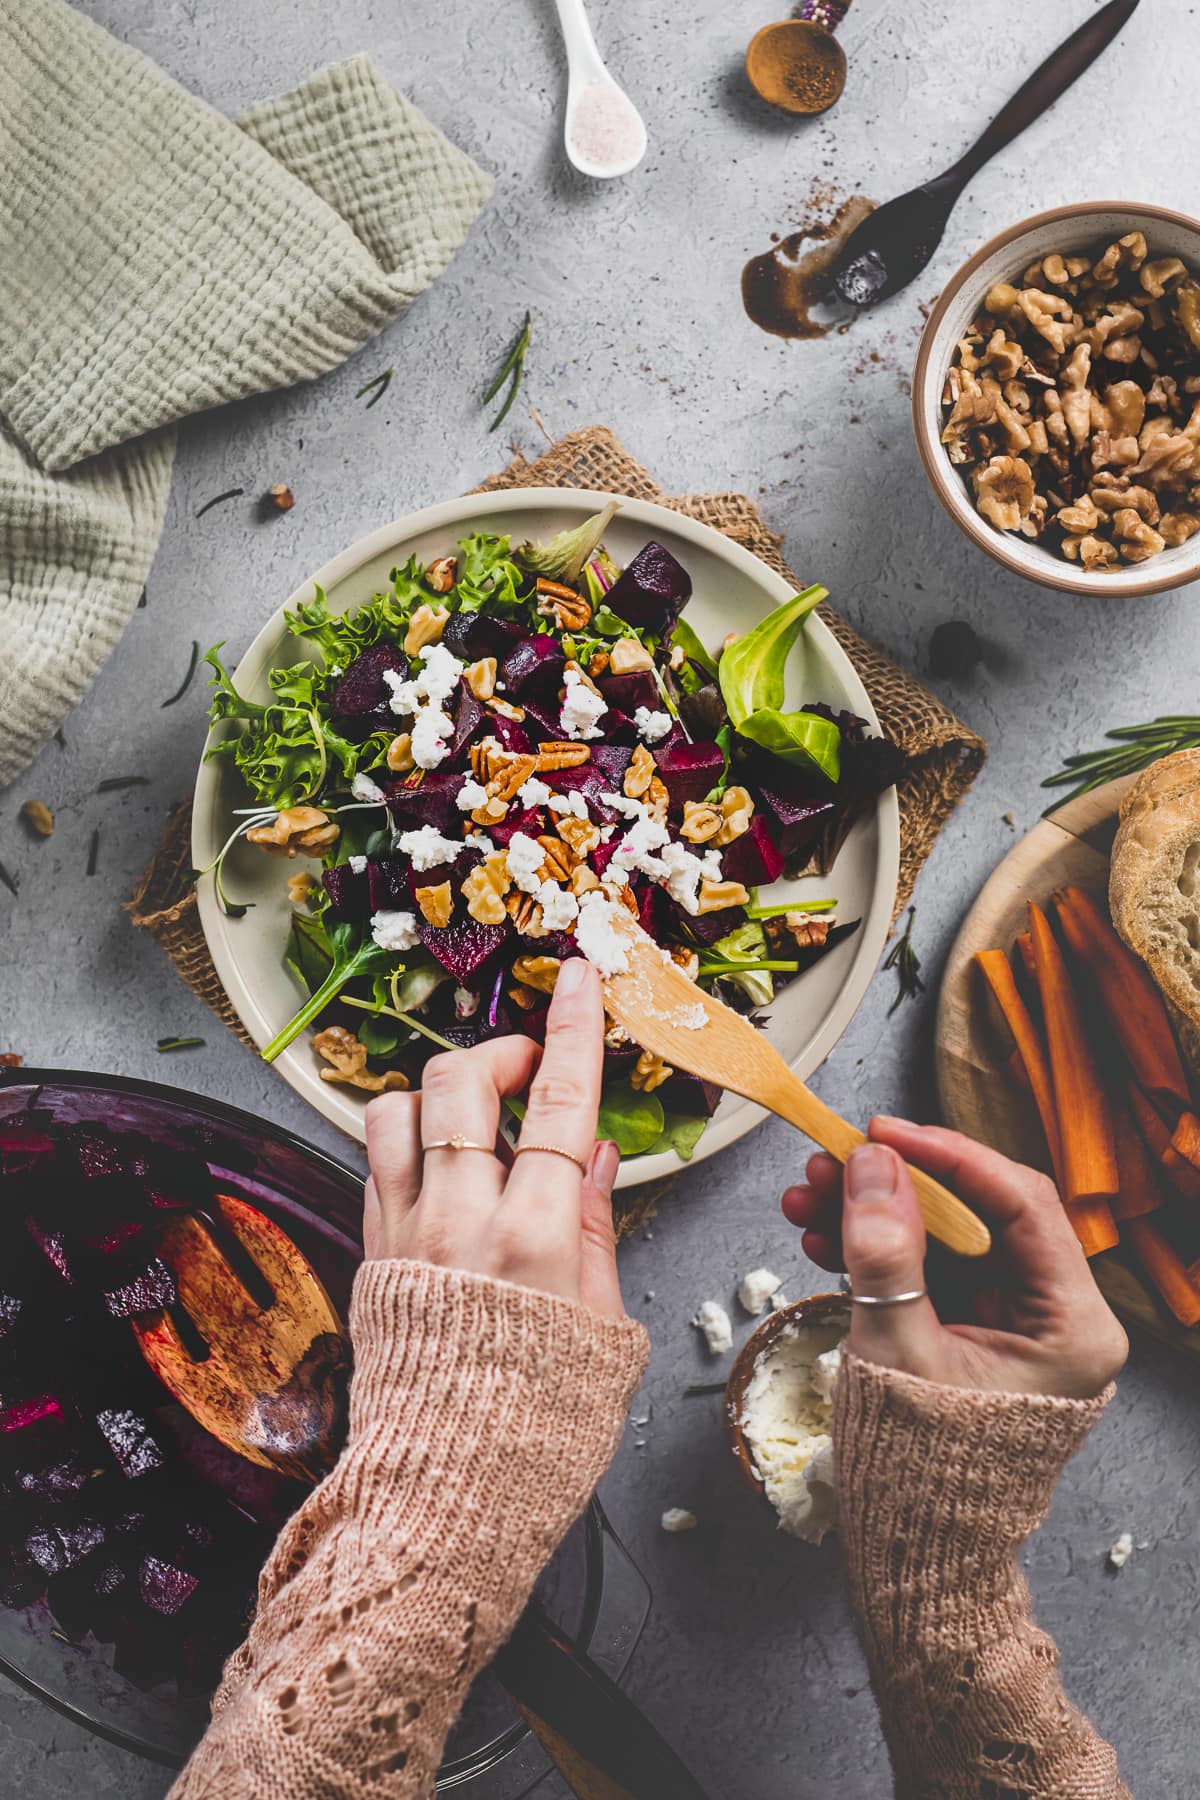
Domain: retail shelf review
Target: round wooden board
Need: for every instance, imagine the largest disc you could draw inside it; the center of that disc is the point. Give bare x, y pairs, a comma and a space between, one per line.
977, 1094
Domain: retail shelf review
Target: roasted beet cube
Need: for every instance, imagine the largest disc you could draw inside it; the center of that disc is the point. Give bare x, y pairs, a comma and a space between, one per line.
654, 908
711, 926
134, 1447
543, 718
94, 1152
361, 701
164, 1586
704, 713
169, 1180
509, 734
609, 761
152, 1288
430, 801
652, 591
23, 1147
603, 854
590, 781
627, 692
797, 807
10, 1316
753, 858
56, 1482
51, 1239
470, 635
34, 1433
464, 946
91, 1596
59, 1543
21, 1580
689, 771
533, 668
349, 892
387, 883
528, 820
469, 719
686, 1093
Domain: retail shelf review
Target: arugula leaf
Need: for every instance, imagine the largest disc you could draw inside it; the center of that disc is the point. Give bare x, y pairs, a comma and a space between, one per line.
633, 1120
681, 1133
352, 956
378, 1038
751, 670
606, 622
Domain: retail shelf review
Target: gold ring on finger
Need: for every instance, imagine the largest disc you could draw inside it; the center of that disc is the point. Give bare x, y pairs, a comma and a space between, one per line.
456, 1141
555, 1150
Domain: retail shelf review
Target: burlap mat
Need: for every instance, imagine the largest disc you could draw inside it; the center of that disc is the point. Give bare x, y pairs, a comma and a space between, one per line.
944, 754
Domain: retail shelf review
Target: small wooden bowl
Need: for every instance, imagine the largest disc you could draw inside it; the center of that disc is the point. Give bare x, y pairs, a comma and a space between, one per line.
797, 66
813, 1310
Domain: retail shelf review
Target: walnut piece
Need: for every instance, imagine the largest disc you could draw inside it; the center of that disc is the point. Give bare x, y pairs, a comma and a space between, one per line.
296, 831
1176, 528
561, 755
558, 860
348, 1063
808, 931
640, 773
399, 753
38, 817
441, 574
505, 708
715, 895
737, 809
436, 904
485, 887
1004, 491
538, 972
649, 1072
628, 655
300, 888
481, 677
425, 627
581, 835
701, 822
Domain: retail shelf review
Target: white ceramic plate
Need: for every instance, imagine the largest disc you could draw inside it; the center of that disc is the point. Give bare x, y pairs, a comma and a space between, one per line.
731, 591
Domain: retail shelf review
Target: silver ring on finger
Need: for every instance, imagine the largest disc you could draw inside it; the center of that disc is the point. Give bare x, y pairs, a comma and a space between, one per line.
554, 1150
889, 1299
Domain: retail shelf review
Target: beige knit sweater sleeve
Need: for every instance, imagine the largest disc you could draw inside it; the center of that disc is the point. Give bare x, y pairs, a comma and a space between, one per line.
938, 1489
481, 1417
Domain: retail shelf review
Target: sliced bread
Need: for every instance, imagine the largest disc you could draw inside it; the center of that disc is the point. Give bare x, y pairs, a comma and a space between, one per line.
1154, 882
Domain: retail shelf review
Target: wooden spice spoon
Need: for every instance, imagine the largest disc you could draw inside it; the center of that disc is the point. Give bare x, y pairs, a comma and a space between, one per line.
656, 1003
272, 1388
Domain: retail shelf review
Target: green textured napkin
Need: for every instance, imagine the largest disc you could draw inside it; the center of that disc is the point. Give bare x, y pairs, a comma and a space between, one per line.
157, 259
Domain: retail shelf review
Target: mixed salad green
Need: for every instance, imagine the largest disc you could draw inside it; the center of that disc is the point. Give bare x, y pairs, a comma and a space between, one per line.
490, 757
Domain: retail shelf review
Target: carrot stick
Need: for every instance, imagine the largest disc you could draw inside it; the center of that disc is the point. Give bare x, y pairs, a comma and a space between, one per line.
1093, 1224
1127, 992
1089, 1156
1141, 1189
1016, 1068
1157, 1137
1023, 945
999, 976
1185, 1139
1165, 1269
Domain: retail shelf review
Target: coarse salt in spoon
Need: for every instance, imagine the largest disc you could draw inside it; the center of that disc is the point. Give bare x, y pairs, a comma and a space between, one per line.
604, 133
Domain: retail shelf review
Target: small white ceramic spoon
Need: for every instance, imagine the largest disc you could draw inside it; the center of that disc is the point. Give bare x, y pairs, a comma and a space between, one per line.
605, 134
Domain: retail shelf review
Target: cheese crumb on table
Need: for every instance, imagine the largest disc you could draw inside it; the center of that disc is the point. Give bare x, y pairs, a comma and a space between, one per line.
677, 1518
756, 1289
1121, 1551
713, 1321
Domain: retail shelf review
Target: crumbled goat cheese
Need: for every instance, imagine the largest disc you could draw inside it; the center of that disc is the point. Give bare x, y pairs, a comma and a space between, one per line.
779, 1300
358, 864
573, 802
581, 708
713, 1321
692, 1018
595, 934
427, 847
651, 726
525, 858
363, 788
439, 674
431, 729
684, 873
636, 849
756, 1289
560, 908
481, 841
533, 792
470, 795
405, 695
626, 806
677, 1518
394, 930
1121, 1551
787, 1416
465, 1003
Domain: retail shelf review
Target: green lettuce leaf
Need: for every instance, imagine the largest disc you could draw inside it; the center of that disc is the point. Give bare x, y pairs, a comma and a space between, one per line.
563, 556
634, 1121
681, 1133
751, 670
803, 739
693, 649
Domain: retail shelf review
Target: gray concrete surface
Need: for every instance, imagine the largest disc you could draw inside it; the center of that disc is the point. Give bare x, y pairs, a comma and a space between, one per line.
749, 1660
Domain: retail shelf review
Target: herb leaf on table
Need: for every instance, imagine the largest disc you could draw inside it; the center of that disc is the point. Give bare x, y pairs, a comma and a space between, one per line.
907, 964
1133, 748
514, 367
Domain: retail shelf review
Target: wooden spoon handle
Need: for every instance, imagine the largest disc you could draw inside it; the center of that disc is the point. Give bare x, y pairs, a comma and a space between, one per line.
945, 1216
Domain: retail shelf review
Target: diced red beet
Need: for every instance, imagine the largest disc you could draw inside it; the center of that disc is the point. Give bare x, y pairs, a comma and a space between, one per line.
590, 780
798, 808
22, 1147
628, 692
619, 1060
11, 1306
711, 926
464, 946
168, 1179
543, 718
528, 820
689, 771
21, 1580
88, 1596
618, 729
131, 1441
165, 1587
654, 908
387, 883
509, 734
611, 760
533, 667
149, 1291
652, 590
349, 892
455, 873
34, 1432
686, 1093
603, 854
361, 701
560, 944
469, 635
59, 1544
56, 1482
51, 1239
469, 718
431, 801
94, 1151
754, 859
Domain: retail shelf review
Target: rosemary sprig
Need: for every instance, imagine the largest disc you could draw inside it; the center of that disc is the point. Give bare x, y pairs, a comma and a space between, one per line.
381, 384
703, 1387
113, 784
11, 882
514, 367
219, 500
907, 964
180, 1043
1134, 747
187, 680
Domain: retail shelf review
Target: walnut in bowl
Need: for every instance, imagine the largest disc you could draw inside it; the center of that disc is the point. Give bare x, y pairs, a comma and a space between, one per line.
1057, 399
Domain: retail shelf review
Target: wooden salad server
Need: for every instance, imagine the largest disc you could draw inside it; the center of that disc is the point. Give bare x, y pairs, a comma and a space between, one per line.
272, 1388
656, 1003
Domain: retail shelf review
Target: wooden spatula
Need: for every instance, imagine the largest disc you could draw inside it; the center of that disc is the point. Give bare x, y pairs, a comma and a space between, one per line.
273, 1383
657, 1005
272, 1389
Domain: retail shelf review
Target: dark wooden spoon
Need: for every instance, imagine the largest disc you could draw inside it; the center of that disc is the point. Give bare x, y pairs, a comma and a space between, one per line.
894, 244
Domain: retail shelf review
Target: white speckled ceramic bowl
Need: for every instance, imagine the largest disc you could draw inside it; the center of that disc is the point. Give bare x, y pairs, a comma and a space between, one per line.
1002, 258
